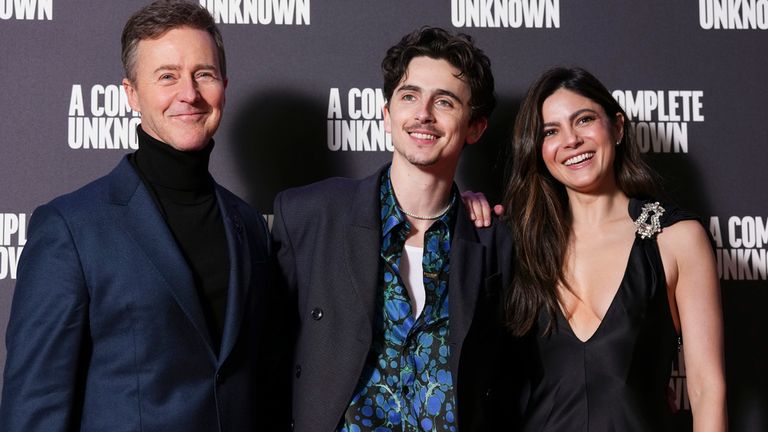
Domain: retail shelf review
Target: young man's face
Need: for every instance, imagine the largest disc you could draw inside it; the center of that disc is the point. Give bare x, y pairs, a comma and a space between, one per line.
178, 88
429, 114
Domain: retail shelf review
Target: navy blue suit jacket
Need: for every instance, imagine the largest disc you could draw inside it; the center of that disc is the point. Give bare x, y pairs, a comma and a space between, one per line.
107, 332
327, 239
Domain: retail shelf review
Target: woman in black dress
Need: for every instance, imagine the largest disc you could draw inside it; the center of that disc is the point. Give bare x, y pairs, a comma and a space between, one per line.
607, 278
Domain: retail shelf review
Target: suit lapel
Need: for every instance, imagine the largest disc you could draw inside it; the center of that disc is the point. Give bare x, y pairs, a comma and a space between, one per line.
364, 245
144, 224
464, 282
239, 273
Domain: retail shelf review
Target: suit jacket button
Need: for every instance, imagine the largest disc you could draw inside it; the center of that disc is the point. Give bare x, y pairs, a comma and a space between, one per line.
298, 371
317, 314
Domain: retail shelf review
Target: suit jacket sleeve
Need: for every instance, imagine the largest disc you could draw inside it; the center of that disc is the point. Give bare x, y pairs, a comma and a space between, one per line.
284, 270
47, 336
283, 249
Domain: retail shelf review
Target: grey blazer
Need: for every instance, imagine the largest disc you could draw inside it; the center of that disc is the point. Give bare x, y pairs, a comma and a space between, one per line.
327, 239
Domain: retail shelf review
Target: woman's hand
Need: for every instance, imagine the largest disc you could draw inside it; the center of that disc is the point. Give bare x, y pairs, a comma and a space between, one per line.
478, 208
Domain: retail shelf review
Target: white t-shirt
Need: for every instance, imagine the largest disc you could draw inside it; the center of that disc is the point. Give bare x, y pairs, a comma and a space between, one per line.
412, 274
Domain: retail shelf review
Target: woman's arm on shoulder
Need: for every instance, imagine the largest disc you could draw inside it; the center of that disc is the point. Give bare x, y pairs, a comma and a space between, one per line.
478, 208
686, 247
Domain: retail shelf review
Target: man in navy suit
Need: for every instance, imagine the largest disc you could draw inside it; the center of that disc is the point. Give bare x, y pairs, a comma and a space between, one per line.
397, 295
141, 299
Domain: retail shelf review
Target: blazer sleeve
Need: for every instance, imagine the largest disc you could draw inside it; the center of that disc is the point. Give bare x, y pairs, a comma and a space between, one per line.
284, 301
46, 339
283, 248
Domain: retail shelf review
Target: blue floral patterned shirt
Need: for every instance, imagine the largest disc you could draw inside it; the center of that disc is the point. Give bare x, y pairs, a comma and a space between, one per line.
406, 383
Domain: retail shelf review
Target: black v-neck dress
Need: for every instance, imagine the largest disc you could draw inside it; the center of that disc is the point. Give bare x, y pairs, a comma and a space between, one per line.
618, 379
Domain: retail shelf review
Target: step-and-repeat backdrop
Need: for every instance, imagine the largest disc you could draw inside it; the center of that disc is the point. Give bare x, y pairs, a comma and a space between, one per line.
304, 103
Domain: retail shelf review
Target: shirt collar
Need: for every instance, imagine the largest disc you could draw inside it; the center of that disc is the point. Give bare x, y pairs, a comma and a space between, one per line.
392, 216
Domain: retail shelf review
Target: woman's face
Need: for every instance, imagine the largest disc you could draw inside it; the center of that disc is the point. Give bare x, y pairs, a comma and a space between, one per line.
579, 142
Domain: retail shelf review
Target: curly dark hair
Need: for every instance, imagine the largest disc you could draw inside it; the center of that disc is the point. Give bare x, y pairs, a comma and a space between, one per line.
159, 17
458, 50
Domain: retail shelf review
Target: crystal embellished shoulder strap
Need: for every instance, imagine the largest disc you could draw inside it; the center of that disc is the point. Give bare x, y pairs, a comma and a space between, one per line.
648, 224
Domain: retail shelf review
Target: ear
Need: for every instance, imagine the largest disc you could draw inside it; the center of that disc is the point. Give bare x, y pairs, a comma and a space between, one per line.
133, 96
476, 129
387, 119
619, 126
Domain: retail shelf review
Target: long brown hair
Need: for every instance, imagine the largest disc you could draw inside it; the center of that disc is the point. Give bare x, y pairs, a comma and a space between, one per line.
537, 205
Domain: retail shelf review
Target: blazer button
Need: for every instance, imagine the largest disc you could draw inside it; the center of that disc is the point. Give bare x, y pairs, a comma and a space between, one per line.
317, 314
298, 371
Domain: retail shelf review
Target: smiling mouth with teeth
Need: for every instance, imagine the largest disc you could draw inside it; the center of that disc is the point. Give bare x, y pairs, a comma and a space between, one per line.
579, 158
423, 136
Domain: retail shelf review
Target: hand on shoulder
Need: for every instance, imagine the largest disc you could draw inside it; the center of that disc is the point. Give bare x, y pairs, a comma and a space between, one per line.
478, 208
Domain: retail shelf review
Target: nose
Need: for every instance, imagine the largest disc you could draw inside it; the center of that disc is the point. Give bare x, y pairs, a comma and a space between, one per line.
571, 137
424, 112
188, 91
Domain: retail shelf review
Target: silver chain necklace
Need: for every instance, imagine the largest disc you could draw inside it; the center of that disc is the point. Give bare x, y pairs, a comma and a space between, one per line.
437, 216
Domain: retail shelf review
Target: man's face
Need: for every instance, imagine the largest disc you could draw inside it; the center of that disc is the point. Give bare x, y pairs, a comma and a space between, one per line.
429, 115
178, 88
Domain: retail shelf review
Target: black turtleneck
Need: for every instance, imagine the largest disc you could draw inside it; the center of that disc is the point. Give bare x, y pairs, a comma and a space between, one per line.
184, 192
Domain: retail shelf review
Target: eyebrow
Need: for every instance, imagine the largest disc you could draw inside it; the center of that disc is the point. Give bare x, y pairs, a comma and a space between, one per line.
572, 116
202, 66
440, 92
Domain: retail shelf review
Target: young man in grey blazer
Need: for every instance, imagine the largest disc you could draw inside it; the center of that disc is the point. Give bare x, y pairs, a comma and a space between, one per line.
396, 295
